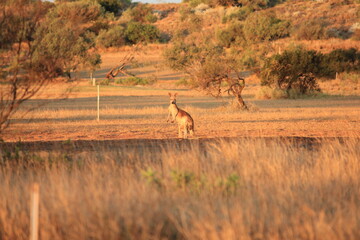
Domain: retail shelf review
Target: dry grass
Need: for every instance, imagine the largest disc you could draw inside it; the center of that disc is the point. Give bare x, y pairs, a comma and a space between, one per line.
241, 189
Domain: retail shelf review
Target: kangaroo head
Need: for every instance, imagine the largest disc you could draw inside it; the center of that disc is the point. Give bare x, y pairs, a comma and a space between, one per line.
172, 98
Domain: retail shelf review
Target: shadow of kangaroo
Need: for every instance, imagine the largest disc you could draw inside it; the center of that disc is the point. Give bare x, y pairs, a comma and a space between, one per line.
183, 119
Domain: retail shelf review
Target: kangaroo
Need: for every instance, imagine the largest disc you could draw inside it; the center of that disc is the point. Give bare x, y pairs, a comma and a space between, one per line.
183, 119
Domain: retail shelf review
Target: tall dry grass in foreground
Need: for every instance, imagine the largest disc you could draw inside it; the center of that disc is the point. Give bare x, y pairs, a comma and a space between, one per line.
238, 189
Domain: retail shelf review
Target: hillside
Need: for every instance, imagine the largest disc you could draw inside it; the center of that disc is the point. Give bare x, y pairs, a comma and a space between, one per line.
340, 19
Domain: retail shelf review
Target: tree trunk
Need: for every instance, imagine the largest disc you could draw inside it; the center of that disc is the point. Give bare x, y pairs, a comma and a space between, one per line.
239, 100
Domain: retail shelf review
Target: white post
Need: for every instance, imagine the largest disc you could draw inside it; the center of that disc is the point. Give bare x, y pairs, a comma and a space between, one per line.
34, 212
94, 81
98, 102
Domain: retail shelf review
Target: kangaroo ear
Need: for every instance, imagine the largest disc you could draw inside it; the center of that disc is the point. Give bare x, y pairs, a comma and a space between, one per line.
175, 94
169, 94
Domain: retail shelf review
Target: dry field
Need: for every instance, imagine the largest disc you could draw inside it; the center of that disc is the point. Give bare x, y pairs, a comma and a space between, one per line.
127, 176
140, 112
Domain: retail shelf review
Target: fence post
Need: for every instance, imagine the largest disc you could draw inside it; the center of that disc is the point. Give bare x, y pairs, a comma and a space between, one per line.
34, 212
98, 102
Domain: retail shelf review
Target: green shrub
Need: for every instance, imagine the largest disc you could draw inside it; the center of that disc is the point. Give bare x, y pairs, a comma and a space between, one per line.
342, 60
114, 6
132, 81
350, 77
114, 37
98, 26
231, 34
182, 82
294, 69
237, 14
139, 32
78, 11
312, 30
267, 92
141, 13
260, 26
151, 18
104, 82
356, 35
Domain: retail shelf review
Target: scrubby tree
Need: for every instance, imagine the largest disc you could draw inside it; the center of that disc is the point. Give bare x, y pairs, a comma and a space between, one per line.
113, 37
298, 68
342, 60
140, 32
63, 45
264, 26
141, 13
293, 69
208, 68
19, 20
36, 45
232, 34
114, 6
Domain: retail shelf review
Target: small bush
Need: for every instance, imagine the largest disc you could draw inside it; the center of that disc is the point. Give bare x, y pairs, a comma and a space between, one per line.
294, 69
312, 30
261, 26
98, 26
239, 14
356, 35
114, 37
195, 3
132, 81
350, 77
114, 6
342, 60
266, 92
138, 32
141, 13
151, 18
231, 34
191, 22
182, 82
104, 82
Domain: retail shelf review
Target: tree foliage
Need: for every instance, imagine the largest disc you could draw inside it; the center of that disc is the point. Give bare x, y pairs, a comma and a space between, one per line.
114, 6
113, 37
292, 68
38, 42
139, 32
342, 60
141, 13
232, 34
298, 68
208, 67
260, 26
